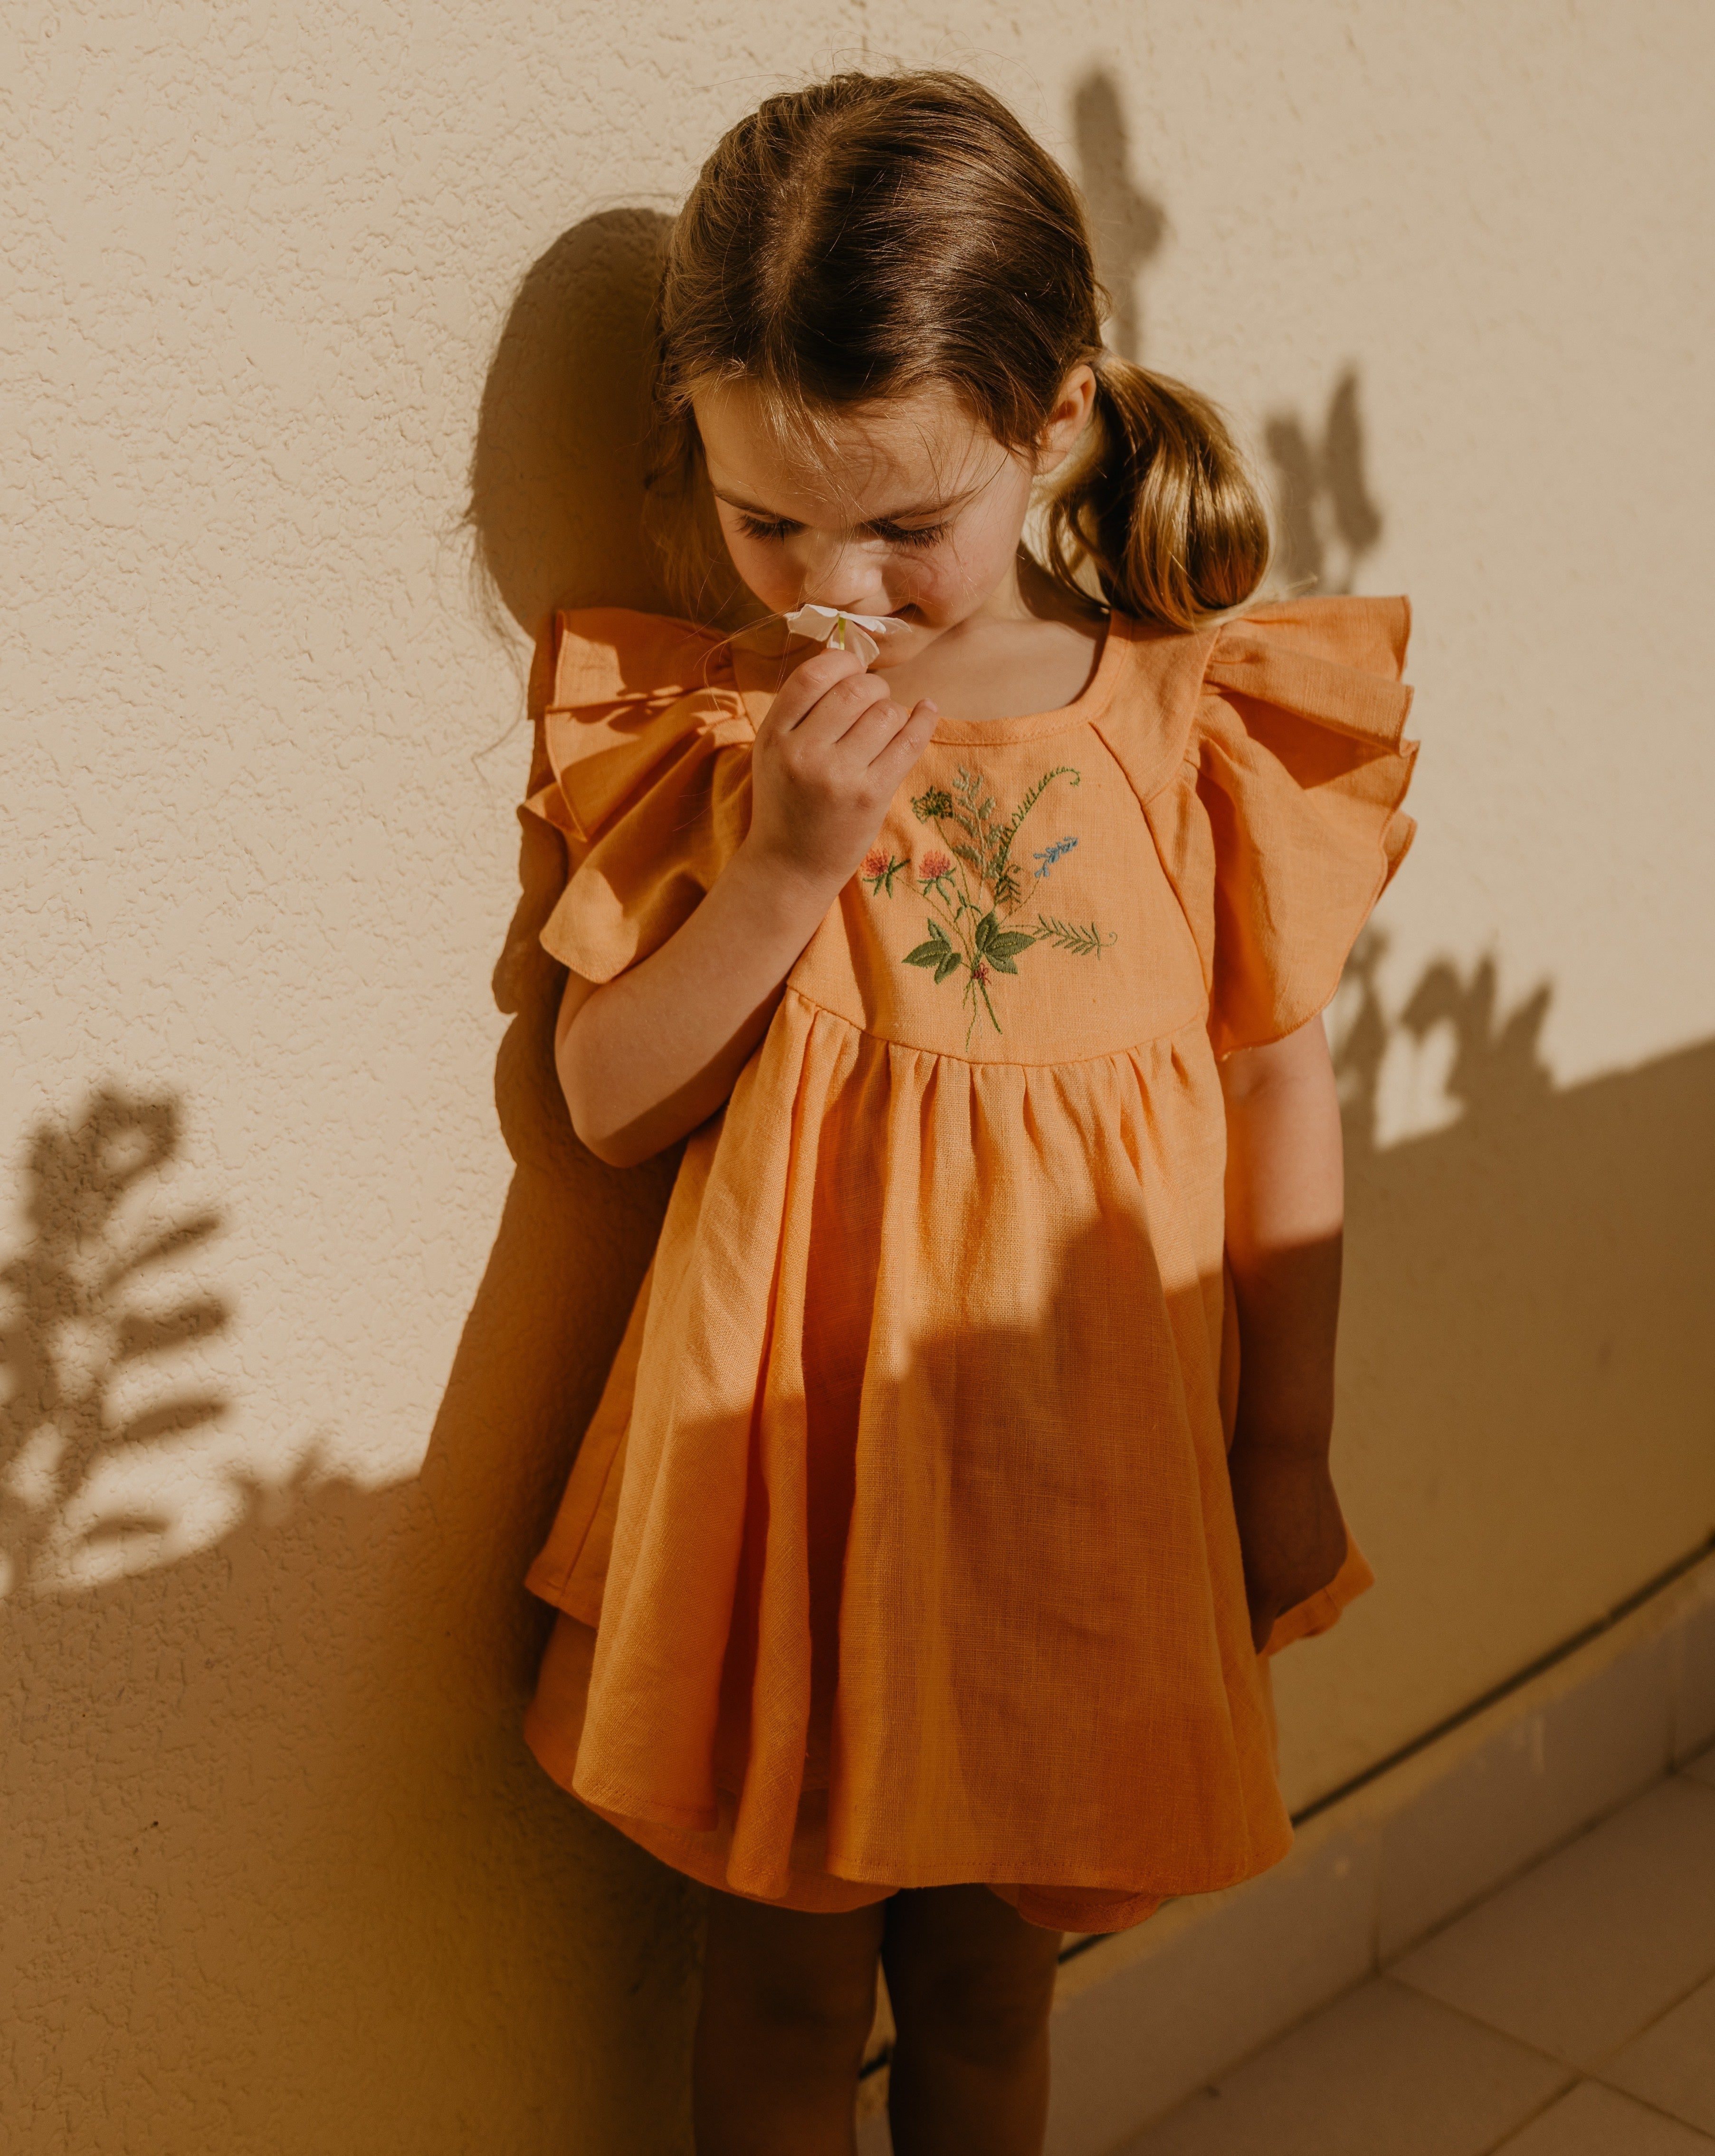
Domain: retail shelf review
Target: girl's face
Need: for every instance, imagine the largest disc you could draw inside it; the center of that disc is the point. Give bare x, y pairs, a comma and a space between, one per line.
911, 509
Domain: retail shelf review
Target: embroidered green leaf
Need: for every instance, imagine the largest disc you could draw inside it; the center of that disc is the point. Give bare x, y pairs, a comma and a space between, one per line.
1071, 936
949, 964
1003, 949
933, 953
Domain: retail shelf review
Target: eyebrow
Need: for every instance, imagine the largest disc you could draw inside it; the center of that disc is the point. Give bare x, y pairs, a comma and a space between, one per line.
927, 511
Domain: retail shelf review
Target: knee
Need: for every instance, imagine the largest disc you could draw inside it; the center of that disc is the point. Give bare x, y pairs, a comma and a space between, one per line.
830, 2011
983, 2016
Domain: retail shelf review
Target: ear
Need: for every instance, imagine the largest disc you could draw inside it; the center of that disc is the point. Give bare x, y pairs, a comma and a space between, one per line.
1064, 428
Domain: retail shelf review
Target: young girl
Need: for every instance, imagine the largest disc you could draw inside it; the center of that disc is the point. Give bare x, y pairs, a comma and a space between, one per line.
967, 1448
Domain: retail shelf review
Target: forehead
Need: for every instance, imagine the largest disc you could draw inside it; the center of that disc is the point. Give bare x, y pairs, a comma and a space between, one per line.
872, 462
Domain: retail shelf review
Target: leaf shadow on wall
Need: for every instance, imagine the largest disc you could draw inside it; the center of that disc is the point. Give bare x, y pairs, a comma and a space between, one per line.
1127, 225
81, 1325
1327, 521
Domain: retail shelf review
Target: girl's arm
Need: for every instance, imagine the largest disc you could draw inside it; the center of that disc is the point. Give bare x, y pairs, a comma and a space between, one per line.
645, 1058
1285, 1202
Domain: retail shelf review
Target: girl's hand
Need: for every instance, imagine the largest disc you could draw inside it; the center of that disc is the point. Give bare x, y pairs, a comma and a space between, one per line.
829, 758
1290, 1532
650, 1055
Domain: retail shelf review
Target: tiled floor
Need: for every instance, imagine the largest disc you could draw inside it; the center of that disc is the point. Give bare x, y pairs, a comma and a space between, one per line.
1573, 2014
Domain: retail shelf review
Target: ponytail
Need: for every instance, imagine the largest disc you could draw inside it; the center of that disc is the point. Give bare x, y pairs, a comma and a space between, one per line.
1160, 505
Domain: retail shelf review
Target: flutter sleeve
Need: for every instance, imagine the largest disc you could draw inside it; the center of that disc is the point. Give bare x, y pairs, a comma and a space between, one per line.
646, 748
1282, 825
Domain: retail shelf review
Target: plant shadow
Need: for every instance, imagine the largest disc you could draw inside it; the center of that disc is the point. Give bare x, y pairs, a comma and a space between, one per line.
84, 1321
1127, 225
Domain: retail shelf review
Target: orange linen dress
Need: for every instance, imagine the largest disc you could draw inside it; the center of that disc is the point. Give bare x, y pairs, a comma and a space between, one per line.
900, 1550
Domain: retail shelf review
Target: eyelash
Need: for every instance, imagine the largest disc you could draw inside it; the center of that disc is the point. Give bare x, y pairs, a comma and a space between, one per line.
754, 527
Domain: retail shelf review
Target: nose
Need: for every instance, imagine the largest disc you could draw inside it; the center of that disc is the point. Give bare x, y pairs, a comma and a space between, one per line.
839, 576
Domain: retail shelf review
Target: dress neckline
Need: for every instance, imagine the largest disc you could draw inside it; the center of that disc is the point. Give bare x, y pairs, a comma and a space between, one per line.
1092, 701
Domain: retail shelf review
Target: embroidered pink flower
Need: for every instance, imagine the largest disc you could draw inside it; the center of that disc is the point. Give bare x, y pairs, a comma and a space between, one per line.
979, 973
876, 861
932, 867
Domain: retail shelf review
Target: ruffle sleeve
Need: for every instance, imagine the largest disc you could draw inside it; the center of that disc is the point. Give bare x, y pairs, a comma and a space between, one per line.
647, 747
1280, 824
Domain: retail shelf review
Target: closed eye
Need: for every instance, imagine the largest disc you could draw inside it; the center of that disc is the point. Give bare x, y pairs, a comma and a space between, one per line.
889, 535
925, 535
758, 527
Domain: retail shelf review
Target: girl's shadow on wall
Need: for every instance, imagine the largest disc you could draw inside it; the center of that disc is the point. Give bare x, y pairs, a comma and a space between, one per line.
555, 514
555, 496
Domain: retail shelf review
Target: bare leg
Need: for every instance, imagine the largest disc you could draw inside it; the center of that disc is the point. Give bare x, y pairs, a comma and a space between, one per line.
971, 1984
788, 2002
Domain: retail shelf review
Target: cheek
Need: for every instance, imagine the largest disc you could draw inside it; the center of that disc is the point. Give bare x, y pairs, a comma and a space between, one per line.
762, 563
981, 552
969, 566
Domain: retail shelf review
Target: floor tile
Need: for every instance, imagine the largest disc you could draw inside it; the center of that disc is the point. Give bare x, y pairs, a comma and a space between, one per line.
1221, 1978
1672, 2065
1593, 2121
1534, 1783
1382, 2069
1595, 1943
1702, 1769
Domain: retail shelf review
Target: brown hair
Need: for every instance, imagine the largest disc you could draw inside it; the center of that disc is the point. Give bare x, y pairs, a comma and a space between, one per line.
872, 235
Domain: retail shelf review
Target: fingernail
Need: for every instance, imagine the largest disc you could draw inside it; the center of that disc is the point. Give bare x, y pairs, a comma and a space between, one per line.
929, 704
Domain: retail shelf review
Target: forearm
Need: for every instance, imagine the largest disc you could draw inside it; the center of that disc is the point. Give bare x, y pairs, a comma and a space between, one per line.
647, 1057
1285, 1209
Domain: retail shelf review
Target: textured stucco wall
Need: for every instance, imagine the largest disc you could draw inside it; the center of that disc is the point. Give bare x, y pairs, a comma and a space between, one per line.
307, 1288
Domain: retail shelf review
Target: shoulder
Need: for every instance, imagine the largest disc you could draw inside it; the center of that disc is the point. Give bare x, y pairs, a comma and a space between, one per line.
1333, 664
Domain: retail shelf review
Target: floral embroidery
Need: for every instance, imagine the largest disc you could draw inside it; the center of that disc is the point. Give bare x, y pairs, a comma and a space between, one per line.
975, 889
879, 869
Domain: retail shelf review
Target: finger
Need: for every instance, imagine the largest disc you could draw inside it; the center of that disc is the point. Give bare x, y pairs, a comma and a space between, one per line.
806, 685
834, 719
896, 756
873, 731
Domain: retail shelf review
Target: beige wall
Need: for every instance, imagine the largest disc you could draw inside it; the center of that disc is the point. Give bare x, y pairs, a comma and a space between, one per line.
308, 1288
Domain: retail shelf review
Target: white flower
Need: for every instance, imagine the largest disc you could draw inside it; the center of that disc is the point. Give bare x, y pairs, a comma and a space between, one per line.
845, 632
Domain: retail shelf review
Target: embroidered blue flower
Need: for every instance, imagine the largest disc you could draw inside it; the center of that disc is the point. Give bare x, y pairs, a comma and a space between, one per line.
1050, 855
